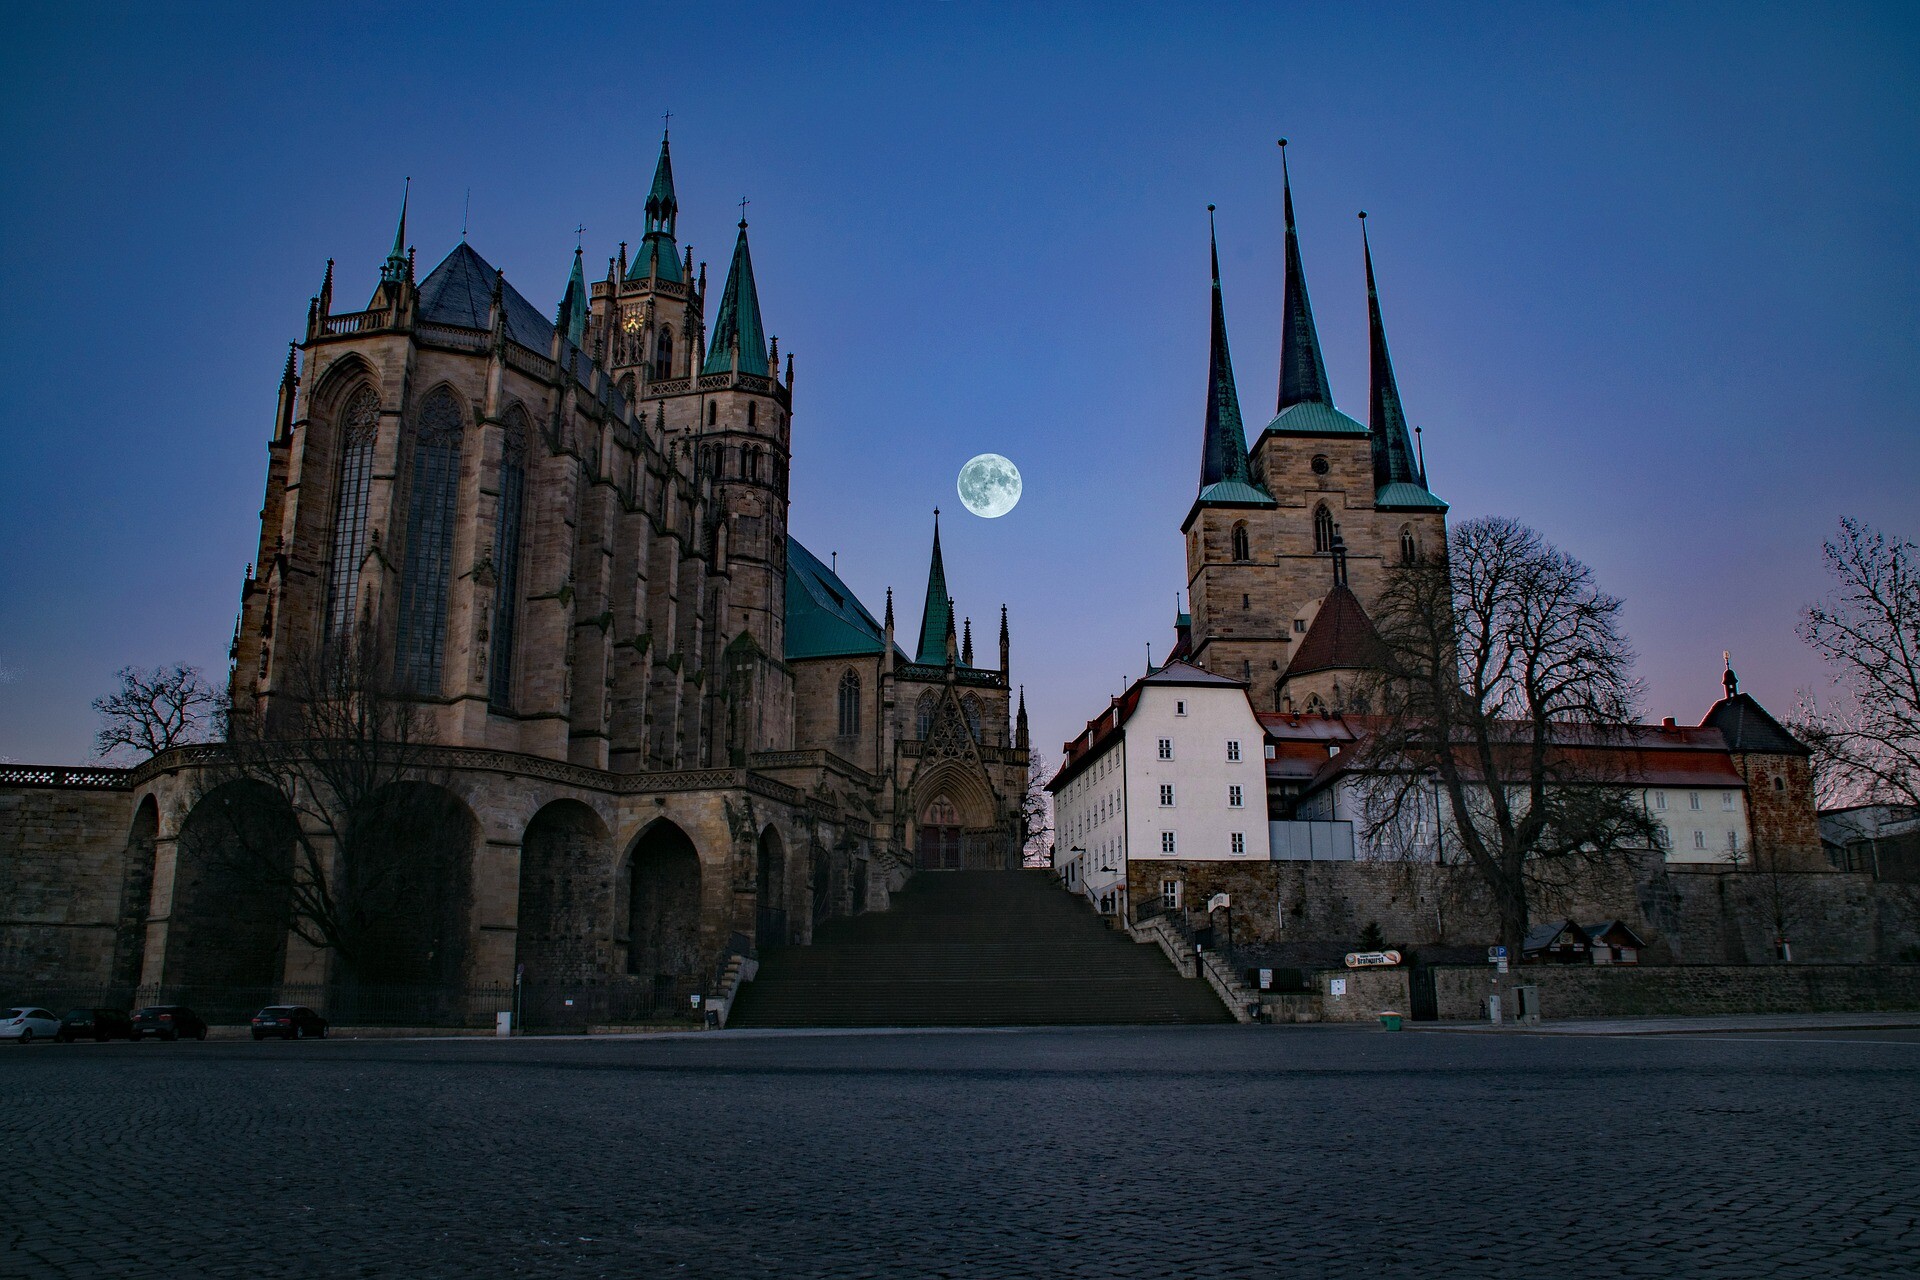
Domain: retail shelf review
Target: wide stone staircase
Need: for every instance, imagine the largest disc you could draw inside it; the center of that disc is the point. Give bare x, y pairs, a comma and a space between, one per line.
972, 949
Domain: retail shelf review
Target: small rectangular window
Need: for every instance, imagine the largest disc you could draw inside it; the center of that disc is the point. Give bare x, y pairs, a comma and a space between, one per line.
1166, 795
1699, 839
1179, 708
1166, 842
1233, 749
1659, 799
1300, 624
1170, 893
1693, 799
1166, 748
1726, 800
1233, 797
1239, 843
1732, 842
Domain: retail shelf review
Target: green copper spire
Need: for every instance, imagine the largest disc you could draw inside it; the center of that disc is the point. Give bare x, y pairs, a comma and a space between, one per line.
1303, 375
1223, 453
739, 321
1393, 459
658, 256
936, 619
395, 269
573, 304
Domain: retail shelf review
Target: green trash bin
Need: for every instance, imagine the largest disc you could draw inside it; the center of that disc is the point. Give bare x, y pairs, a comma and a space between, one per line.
1389, 1020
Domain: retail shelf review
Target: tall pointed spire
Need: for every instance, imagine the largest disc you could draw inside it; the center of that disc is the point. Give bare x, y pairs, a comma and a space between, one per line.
1303, 375
936, 618
738, 325
395, 269
1393, 460
573, 303
658, 256
1223, 454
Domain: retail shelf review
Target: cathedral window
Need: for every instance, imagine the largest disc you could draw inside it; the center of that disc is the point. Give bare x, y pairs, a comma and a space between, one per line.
972, 709
713, 412
506, 558
1320, 465
663, 356
431, 505
753, 463
358, 427
626, 388
752, 413
849, 705
1242, 551
1409, 549
1322, 528
923, 717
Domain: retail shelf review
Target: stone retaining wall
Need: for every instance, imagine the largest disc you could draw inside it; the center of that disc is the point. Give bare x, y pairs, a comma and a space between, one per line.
1595, 991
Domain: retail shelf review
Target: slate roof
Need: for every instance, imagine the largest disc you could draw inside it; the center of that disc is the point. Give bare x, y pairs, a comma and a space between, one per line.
824, 618
1746, 726
1303, 375
460, 292
1341, 638
1223, 446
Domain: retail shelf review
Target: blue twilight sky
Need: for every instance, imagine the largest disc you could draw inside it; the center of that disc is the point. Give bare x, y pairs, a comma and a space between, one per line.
1650, 275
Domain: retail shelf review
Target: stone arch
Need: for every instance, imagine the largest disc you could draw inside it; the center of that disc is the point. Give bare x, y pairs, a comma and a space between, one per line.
950, 800
232, 879
136, 891
663, 906
770, 877
418, 867
566, 895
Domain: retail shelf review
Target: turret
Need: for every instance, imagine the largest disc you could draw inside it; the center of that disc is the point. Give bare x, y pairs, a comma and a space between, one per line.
572, 319
966, 645
1006, 649
659, 258
1399, 478
1020, 722
739, 342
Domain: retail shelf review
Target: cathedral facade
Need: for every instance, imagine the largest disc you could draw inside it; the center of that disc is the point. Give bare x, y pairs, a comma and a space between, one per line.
666, 731
1308, 521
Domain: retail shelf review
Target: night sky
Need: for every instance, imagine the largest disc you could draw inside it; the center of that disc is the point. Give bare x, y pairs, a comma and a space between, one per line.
1649, 275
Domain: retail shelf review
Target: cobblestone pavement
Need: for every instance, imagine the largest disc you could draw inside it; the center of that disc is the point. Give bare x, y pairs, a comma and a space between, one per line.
1230, 1151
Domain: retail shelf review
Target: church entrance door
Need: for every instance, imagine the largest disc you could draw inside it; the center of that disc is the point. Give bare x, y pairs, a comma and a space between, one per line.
940, 836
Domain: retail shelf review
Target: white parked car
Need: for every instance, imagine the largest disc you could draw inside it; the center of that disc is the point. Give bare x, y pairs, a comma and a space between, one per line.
24, 1024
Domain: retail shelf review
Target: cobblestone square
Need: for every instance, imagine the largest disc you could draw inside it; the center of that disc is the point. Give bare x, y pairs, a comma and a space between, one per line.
1225, 1151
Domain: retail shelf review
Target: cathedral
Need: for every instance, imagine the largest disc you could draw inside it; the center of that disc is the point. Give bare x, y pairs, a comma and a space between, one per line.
1289, 543
667, 732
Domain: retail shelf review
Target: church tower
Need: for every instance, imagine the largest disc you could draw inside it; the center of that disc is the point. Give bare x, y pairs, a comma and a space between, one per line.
1316, 484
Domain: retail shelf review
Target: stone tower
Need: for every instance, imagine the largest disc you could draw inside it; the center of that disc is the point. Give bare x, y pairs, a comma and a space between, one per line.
1265, 524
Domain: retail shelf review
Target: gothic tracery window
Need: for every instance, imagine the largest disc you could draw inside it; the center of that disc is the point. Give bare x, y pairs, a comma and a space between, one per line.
923, 717
662, 356
433, 498
1322, 528
355, 439
972, 709
506, 558
1242, 551
1409, 549
849, 705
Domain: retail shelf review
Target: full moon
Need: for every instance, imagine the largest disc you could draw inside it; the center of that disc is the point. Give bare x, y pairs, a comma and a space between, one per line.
989, 485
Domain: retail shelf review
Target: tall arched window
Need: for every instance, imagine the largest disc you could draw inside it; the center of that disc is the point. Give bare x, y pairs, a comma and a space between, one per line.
506, 558
432, 500
713, 412
1409, 549
1322, 528
662, 355
752, 413
971, 707
1242, 550
359, 424
626, 388
923, 717
753, 465
849, 705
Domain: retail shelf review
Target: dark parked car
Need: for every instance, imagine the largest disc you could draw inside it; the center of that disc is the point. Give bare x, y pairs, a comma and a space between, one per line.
169, 1022
289, 1022
96, 1024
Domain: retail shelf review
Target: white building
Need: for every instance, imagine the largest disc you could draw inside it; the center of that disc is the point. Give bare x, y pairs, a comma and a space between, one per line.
1173, 768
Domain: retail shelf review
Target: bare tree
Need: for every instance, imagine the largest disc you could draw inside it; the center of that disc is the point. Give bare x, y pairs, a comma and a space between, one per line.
1505, 696
1867, 745
1036, 815
153, 711
337, 814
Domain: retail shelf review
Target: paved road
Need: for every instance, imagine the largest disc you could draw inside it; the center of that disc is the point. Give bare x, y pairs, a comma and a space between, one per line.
1230, 1151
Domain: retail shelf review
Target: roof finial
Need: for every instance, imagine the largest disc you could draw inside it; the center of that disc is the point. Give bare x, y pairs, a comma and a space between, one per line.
1728, 680
395, 269
743, 213
466, 207
666, 124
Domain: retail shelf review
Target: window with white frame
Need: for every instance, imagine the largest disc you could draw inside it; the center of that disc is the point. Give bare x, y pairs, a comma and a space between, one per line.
1699, 839
1659, 799
1693, 799
1239, 843
1733, 842
1166, 748
1726, 800
1166, 795
1180, 708
1233, 797
1663, 837
1170, 894
1166, 842
1233, 749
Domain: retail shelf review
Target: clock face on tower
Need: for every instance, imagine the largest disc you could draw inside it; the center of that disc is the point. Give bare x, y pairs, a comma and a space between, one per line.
633, 322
